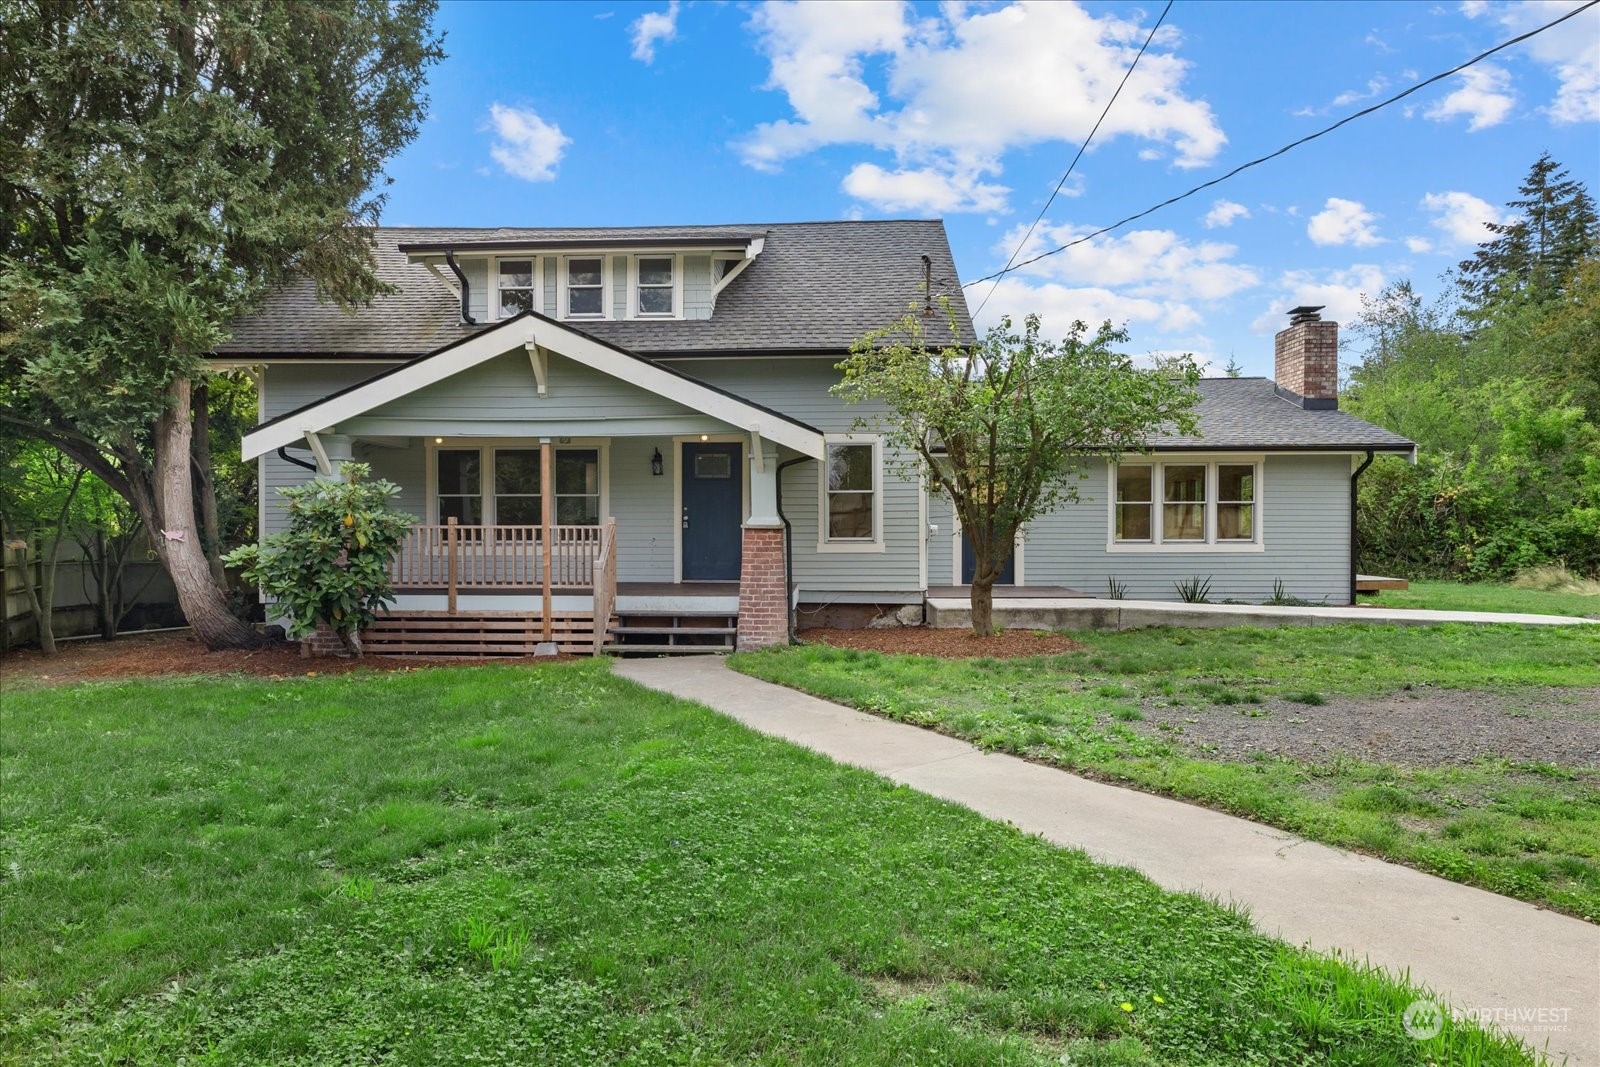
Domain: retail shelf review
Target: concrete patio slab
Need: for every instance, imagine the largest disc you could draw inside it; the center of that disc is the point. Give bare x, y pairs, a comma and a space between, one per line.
1081, 613
1484, 954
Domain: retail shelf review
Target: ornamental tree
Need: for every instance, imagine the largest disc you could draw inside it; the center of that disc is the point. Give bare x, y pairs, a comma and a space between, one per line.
162, 166
1007, 428
331, 566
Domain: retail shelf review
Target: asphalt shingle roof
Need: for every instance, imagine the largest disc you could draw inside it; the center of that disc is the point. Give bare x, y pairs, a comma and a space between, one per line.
816, 287
1248, 413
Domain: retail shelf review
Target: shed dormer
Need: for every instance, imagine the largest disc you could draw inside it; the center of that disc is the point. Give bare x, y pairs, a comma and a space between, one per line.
636, 275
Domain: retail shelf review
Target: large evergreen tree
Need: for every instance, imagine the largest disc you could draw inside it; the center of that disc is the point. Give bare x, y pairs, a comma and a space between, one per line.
1553, 228
162, 165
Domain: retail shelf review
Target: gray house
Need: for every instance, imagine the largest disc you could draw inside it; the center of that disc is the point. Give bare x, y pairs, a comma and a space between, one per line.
635, 426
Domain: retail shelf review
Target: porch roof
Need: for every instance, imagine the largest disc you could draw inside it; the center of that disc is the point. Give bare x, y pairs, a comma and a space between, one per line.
534, 331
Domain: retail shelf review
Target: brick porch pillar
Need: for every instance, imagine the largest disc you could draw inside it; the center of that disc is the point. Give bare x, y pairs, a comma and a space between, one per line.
763, 598
763, 593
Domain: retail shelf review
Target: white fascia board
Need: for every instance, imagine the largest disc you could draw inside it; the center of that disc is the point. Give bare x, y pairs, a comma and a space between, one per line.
508, 337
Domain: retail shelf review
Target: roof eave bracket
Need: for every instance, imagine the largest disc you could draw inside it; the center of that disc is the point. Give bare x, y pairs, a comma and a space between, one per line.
541, 366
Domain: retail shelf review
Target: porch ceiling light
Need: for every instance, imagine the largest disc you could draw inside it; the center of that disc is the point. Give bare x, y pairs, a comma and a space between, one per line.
705, 437
655, 463
438, 440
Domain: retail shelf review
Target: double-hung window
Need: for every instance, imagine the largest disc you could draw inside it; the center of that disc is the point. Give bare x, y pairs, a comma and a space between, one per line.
460, 485
586, 296
1185, 503
515, 496
657, 286
850, 494
516, 286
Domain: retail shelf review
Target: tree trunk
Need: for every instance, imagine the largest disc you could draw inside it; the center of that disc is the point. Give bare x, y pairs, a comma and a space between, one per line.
983, 605
206, 485
178, 543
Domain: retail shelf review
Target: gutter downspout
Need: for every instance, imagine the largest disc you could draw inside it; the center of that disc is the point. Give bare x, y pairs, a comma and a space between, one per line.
788, 549
466, 289
283, 454
1354, 477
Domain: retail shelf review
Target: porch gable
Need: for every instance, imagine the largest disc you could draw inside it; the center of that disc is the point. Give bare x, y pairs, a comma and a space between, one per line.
533, 338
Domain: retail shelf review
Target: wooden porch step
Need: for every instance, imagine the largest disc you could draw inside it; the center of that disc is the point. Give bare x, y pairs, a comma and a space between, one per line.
694, 631
667, 650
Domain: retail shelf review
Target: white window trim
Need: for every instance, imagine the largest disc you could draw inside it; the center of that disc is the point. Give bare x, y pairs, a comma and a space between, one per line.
605, 286
494, 284
1157, 482
484, 446
633, 286
824, 542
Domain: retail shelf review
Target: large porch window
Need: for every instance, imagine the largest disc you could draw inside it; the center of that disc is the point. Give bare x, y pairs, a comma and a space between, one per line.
516, 498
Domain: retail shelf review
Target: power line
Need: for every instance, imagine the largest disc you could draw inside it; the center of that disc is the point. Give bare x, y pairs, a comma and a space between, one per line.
1273, 155
1070, 166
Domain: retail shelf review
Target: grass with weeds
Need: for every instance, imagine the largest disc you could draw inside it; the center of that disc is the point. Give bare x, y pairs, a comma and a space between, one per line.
554, 866
1529, 831
1572, 598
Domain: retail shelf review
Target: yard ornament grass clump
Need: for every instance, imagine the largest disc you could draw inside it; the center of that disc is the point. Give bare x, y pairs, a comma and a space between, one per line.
331, 566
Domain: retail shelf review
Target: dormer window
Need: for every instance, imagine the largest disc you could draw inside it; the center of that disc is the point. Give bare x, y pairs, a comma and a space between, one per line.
516, 287
657, 285
586, 287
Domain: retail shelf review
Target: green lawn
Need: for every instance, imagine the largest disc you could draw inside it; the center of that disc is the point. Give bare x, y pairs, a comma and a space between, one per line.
553, 866
1486, 596
1531, 831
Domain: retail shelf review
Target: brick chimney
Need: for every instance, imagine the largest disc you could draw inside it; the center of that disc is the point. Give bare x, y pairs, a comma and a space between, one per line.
1307, 366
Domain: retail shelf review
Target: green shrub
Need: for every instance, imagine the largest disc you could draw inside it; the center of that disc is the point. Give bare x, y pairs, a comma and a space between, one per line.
331, 566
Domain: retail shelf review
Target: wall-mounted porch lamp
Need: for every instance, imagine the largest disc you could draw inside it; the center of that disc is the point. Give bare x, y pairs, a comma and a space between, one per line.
655, 463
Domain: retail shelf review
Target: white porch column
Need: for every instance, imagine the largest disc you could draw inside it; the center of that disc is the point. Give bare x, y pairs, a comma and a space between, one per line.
764, 487
330, 450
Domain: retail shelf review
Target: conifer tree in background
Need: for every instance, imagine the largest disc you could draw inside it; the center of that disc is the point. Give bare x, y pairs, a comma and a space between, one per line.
1552, 229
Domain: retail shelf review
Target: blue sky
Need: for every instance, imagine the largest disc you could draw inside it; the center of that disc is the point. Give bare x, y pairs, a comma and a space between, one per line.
634, 114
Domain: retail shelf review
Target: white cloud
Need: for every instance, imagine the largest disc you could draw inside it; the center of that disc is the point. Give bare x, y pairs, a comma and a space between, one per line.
1462, 216
1418, 245
1343, 222
1484, 97
1157, 264
1571, 52
953, 92
922, 190
527, 147
1153, 281
1339, 291
651, 27
1224, 213
1059, 306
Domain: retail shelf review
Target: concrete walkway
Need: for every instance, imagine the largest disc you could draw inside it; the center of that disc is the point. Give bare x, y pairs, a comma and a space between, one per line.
1482, 953
1085, 613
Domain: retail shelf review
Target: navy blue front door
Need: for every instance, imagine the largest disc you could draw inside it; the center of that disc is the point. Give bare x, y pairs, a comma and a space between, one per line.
713, 500
969, 565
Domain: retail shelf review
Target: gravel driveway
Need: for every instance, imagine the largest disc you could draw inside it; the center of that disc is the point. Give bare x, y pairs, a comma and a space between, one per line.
1417, 727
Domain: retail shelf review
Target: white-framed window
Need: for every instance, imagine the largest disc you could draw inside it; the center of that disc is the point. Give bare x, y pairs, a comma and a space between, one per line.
501, 485
851, 494
584, 286
655, 289
1186, 503
516, 281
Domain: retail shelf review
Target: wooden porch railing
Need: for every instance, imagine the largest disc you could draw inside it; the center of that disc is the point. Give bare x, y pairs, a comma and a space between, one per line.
452, 556
605, 583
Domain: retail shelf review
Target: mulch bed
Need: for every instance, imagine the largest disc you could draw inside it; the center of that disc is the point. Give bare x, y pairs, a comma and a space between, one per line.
180, 653
947, 644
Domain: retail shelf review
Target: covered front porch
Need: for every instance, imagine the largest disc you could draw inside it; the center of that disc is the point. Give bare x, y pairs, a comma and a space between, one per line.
552, 472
